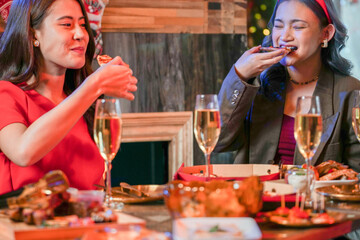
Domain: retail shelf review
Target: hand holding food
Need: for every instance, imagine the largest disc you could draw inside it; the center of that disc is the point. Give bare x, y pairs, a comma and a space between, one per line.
116, 77
104, 59
252, 62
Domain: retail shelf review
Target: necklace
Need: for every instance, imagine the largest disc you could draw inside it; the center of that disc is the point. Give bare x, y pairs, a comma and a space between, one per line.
304, 83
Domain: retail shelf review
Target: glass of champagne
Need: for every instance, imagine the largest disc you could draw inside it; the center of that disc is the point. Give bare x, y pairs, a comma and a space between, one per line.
207, 125
308, 131
107, 135
356, 114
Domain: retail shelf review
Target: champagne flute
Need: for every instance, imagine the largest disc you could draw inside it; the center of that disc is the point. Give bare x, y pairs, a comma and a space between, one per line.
207, 125
107, 135
308, 131
356, 114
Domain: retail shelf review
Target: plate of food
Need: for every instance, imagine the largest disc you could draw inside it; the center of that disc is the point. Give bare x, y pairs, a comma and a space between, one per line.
319, 184
138, 193
334, 173
298, 218
326, 174
341, 192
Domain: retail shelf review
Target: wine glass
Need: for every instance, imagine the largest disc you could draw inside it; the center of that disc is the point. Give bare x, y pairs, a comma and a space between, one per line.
207, 125
308, 131
356, 114
107, 135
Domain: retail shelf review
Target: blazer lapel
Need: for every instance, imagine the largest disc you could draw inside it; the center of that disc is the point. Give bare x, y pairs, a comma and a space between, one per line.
325, 90
266, 120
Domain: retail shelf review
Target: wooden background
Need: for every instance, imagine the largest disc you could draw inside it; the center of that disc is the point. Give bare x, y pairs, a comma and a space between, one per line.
175, 16
177, 49
173, 68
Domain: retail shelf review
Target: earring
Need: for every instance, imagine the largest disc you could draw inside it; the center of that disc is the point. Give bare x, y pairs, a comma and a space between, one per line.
36, 43
324, 44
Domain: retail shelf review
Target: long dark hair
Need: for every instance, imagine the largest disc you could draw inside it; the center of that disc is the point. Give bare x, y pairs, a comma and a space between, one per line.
330, 56
20, 60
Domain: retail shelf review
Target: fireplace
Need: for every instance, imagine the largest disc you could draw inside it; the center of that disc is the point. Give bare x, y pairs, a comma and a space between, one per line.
172, 127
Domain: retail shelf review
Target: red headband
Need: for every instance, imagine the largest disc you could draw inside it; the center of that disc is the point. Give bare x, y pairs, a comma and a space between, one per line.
323, 6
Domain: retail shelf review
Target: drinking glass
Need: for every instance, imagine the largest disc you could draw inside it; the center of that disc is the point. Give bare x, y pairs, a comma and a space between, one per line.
207, 125
107, 135
308, 130
356, 114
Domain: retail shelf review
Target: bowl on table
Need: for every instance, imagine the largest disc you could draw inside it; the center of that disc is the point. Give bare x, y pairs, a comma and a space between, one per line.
297, 178
217, 198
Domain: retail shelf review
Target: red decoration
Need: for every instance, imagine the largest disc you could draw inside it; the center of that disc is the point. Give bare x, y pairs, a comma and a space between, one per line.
95, 10
5, 8
323, 6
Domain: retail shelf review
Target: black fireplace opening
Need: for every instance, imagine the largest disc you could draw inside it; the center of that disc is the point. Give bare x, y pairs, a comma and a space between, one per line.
141, 163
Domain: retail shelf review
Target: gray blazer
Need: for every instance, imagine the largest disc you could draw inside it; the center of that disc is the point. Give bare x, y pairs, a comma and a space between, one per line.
252, 112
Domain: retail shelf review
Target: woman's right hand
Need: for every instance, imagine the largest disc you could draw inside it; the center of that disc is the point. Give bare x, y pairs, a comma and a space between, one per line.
115, 79
252, 62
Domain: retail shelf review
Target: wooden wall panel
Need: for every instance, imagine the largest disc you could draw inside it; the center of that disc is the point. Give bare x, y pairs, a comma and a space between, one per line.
173, 68
175, 16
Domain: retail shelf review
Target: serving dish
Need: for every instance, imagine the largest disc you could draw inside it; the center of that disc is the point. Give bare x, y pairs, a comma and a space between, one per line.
319, 184
341, 192
10, 230
151, 193
310, 222
216, 198
216, 228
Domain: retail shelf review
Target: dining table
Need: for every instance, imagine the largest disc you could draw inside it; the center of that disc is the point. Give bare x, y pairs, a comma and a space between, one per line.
158, 218
155, 216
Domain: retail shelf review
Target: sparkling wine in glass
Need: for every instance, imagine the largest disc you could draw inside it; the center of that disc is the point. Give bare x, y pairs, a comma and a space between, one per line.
207, 125
107, 135
356, 114
308, 131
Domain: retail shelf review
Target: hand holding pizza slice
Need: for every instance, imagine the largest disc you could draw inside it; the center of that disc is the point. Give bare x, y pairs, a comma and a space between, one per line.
104, 59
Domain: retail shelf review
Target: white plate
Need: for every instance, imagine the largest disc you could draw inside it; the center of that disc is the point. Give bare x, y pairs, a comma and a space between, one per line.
199, 228
334, 182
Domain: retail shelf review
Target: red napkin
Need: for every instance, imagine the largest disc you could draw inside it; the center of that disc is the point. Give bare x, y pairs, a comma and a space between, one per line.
277, 198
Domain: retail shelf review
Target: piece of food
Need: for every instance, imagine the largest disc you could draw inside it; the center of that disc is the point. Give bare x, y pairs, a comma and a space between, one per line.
322, 218
332, 170
103, 59
340, 174
329, 166
281, 211
270, 49
316, 172
296, 216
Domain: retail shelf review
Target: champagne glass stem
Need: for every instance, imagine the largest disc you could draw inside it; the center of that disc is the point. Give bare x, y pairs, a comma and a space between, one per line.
207, 159
108, 183
308, 202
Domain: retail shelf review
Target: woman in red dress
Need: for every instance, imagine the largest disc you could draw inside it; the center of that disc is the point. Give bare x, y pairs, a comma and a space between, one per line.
47, 90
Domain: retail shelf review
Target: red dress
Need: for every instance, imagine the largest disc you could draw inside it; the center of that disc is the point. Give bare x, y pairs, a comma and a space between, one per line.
76, 155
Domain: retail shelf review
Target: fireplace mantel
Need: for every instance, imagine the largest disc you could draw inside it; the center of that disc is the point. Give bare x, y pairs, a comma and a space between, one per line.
173, 127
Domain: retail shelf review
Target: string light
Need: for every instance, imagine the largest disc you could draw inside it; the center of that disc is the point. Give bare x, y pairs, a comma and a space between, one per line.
266, 31
259, 14
252, 29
